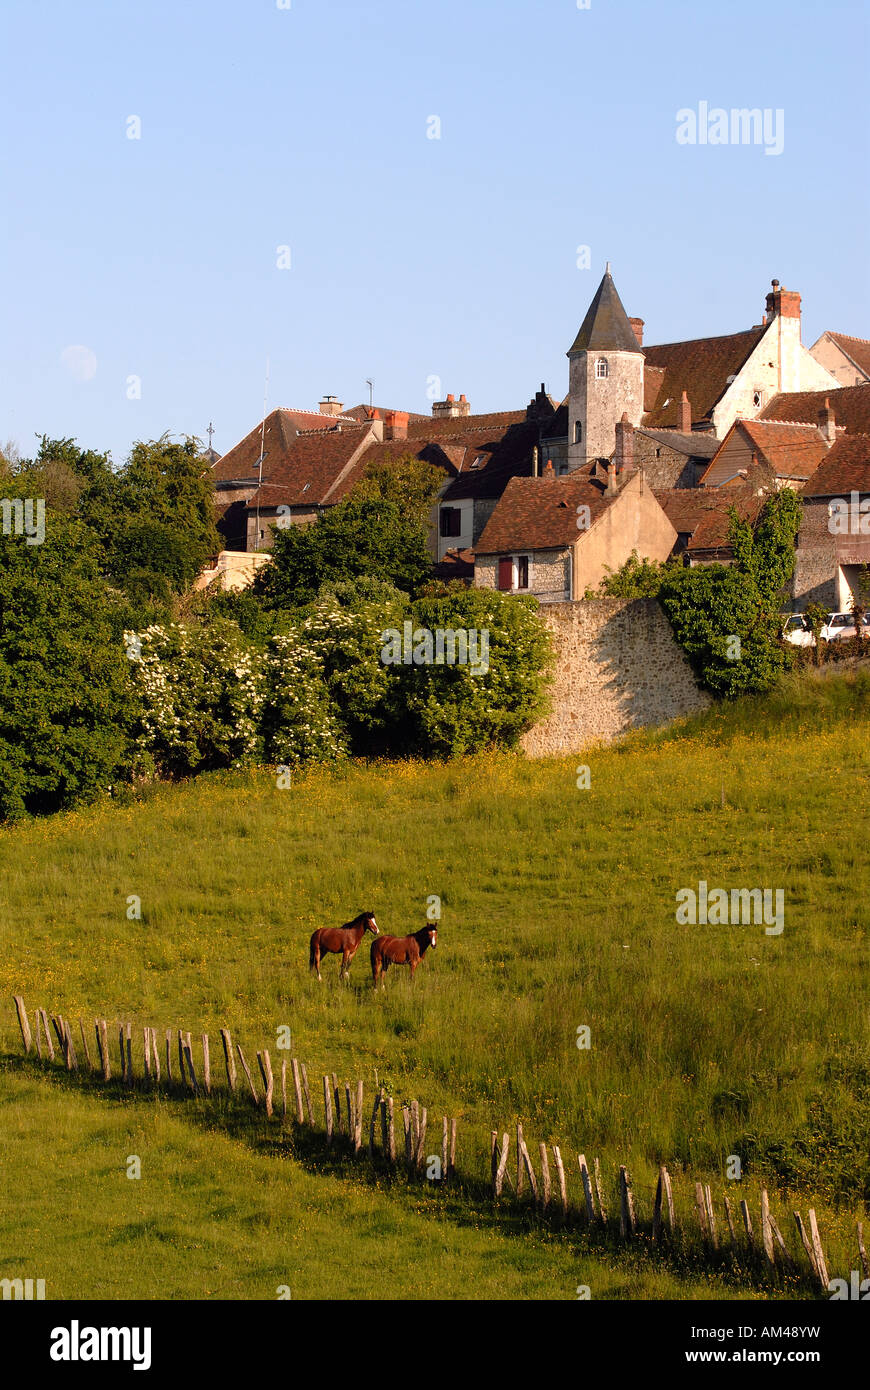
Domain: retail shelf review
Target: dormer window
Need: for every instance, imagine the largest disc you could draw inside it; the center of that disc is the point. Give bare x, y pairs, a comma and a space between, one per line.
601, 368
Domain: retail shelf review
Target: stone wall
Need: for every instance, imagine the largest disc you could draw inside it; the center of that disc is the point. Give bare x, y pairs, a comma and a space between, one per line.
549, 573
618, 667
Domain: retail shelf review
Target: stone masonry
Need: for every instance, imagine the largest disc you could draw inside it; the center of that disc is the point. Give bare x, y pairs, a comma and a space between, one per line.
618, 667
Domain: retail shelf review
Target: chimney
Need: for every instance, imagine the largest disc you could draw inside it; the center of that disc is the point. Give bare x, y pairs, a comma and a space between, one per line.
782, 302
623, 458
396, 424
330, 405
451, 407
827, 424
612, 484
637, 325
535, 462
684, 415
549, 471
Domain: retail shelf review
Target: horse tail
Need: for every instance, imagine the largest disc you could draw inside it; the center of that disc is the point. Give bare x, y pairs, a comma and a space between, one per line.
312, 951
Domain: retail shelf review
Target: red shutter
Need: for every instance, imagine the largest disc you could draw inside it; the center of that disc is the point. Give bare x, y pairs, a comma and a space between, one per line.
505, 572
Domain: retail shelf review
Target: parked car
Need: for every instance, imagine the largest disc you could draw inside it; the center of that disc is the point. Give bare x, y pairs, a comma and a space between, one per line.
796, 629
840, 626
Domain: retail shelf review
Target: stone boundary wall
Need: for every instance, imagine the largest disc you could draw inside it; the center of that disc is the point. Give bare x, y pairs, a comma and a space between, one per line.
618, 667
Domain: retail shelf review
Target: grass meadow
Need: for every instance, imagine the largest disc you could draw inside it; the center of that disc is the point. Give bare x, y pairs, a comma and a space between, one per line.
557, 911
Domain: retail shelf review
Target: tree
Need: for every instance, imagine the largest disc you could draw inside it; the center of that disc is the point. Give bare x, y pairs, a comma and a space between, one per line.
637, 578
65, 698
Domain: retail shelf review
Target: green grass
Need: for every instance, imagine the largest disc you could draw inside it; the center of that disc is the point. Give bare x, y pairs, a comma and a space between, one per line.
558, 909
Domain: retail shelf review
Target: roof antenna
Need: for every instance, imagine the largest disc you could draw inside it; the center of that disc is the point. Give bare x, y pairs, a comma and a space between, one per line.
262, 451
210, 432
371, 386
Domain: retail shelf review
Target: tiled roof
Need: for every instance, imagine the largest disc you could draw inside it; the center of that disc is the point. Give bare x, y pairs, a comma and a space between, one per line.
361, 413
687, 507
701, 368
557, 426
279, 437
424, 428
455, 564
850, 404
488, 459
541, 513
698, 444
790, 450
311, 468
711, 532
858, 349
606, 326
844, 469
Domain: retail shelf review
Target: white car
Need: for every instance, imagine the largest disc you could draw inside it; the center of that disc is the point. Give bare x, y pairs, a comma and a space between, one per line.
796, 629
842, 625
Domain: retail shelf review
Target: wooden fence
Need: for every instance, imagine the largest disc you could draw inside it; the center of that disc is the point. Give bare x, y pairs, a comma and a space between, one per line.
734, 1241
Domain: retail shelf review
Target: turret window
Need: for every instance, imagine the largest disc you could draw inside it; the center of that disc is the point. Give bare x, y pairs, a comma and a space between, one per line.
601, 368
578, 431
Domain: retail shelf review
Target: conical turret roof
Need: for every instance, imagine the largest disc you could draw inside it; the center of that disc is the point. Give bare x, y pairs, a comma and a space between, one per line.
606, 326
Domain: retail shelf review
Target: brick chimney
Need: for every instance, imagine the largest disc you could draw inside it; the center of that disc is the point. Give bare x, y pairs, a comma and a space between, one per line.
612, 484
637, 325
827, 424
450, 408
782, 302
624, 455
396, 424
684, 415
549, 470
330, 405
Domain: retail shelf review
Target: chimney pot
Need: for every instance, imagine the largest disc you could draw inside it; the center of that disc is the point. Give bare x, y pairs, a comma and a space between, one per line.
637, 325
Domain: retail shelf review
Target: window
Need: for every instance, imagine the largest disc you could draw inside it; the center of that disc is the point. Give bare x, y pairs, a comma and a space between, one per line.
505, 572
578, 431
451, 521
758, 398
601, 368
522, 571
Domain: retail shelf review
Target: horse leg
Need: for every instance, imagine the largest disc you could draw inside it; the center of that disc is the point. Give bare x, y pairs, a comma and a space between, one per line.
345, 965
315, 961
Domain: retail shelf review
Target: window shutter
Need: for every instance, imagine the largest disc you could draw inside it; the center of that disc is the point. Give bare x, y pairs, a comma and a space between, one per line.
505, 572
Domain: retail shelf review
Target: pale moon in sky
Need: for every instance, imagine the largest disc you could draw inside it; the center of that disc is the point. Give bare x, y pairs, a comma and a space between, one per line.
80, 362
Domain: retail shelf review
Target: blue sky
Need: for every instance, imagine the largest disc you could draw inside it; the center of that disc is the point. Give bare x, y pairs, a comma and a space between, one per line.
411, 258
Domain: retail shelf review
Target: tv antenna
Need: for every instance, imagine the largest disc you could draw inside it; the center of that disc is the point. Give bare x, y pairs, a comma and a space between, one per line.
262, 454
371, 386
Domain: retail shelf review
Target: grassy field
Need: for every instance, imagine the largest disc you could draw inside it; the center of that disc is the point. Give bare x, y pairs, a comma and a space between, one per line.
558, 910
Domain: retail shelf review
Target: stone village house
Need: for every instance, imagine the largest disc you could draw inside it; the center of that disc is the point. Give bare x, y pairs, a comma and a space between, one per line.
652, 444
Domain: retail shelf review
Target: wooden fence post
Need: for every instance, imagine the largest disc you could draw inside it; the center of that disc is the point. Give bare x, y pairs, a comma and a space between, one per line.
701, 1207
268, 1082
451, 1169
146, 1055
819, 1253
351, 1118
711, 1219
545, 1176
297, 1089
626, 1205
247, 1070
520, 1169
283, 1090
129, 1044
337, 1093
747, 1222
861, 1251
123, 1051
58, 1031
181, 1070
731, 1232
358, 1118
560, 1174
206, 1065
72, 1063
375, 1108
188, 1057
587, 1188
307, 1094
502, 1164
39, 1035
805, 1241
169, 1056
229, 1060
155, 1055
327, 1109
530, 1172
783, 1248
601, 1212
104, 1050
766, 1233
493, 1157
445, 1152
49, 1044
391, 1132
23, 1023
406, 1121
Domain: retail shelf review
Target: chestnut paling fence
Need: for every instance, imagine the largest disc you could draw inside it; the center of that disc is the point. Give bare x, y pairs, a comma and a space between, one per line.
735, 1242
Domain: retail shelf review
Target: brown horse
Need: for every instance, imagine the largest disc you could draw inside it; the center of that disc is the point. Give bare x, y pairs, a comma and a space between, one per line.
401, 950
341, 940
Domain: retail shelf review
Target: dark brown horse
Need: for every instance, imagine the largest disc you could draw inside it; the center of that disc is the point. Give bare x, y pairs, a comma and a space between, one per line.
341, 940
401, 950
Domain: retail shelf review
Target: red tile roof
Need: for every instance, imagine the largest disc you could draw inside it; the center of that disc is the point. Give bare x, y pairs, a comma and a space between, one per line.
789, 450
279, 438
425, 428
361, 413
485, 460
844, 469
541, 513
701, 368
850, 404
311, 469
687, 507
857, 349
711, 533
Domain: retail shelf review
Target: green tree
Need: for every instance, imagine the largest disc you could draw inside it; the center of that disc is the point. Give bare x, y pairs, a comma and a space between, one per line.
637, 578
65, 698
